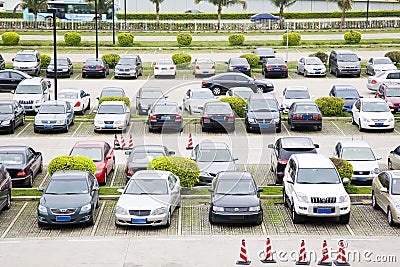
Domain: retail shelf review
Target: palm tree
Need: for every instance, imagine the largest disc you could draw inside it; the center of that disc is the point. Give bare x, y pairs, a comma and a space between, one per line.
223, 3
102, 6
281, 4
35, 5
157, 3
344, 6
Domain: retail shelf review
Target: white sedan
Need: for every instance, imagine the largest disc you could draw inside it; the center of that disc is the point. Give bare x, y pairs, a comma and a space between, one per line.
293, 94
372, 113
378, 64
78, 98
311, 66
385, 76
164, 67
196, 98
112, 115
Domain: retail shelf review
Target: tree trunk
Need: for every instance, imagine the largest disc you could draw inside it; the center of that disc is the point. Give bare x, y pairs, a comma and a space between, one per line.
158, 11
35, 19
219, 17
343, 20
281, 17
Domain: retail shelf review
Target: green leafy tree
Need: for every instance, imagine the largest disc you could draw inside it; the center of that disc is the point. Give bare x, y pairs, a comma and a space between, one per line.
102, 6
157, 3
344, 6
35, 5
223, 3
282, 4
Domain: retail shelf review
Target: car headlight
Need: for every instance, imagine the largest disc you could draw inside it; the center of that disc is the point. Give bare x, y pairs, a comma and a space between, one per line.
60, 121
255, 208
216, 208
37, 101
251, 120
118, 122
204, 174
366, 119
391, 119
397, 206
120, 211
375, 170
343, 198
64, 69
98, 122
159, 211
42, 208
38, 121
276, 120
98, 171
302, 197
390, 103
86, 207
7, 122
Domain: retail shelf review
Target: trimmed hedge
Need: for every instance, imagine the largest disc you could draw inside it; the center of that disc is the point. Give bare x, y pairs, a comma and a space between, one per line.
125, 39
115, 98
111, 59
252, 59
45, 60
72, 39
293, 39
186, 169
344, 168
321, 55
10, 38
181, 59
394, 56
237, 104
330, 106
64, 163
352, 37
184, 39
236, 39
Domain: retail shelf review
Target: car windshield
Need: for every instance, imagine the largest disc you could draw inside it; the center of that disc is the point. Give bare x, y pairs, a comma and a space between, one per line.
297, 94
393, 92
238, 61
313, 61
52, 109
29, 89
60, 62
10, 158
146, 156
93, 62
276, 61
236, 187
214, 155
202, 94
375, 107
267, 105
358, 153
25, 58
242, 94
6, 109
218, 109
94, 153
205, 61
165, 62
156, 94
67, 187
165, 109
127, 61
347, 58
147, 187
318, 176
264, 51
287, 152
395, 186
306, 109
112, 93
111, 109
67, 95
383, 61
347, 93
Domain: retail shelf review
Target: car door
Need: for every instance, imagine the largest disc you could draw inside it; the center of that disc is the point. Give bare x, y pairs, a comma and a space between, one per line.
332, 92
69, 113
18, 113
173, 191
275, 154
45, 91
3, 187
300, 65
380, 93
93, 189
139, 66
385, 195
245, 82
5, 81
33, 159
15, 79
127, 114
395, 158
108, 157
186, 99
289, 179
369, 65
70, 66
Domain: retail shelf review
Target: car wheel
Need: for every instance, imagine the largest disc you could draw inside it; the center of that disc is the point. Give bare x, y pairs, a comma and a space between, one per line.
30, 181
97, 203
66, 128
91, 220
360, 128
344, 219
277, 179
353, 121
373, 200
136, 75
259, 220
40, 224
12, 128
296, 218
216, 90
286, 75
36, 130
210, 218
41, 167
105, 179
113, 166
319, 127
279, 129
8, 202
305, 73
390, 217
285, 198
190, 110
337, 73
23, 120
72, 121
292, 127
168, 224
297, 70
390, 164
104, 74
260, 89
248, 130
203, 129
178, 206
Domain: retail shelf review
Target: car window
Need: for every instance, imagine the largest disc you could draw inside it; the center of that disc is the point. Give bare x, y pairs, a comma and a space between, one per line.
11, 158
375, 107
297, 94
226, 78
145, 156
171, 182
94, 153
106, 149
382, 180
306, 109
236, 187
395, 187
166, 109
111, 109
393, 76
214, 155
217, 109
317, 176
358, 154
397, 150
241, 78
52, 109
6, 109
67, 95
67, 186
4, 75
147, 187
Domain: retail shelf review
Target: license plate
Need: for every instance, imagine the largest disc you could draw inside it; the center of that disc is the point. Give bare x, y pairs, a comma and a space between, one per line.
109, 126
307, 117
378, 123
362, 179
63, 218
163, 68
165, 118
324, 210
239, 68
218, 118
27, 107
48, 126
264, 126
277, 69
138, 220
205, 72
317, 72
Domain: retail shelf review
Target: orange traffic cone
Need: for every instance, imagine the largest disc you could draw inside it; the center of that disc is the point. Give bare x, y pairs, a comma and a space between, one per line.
190, 143
325, 255
123, 145
243, 260
341, 259
130, 142
266, 255
302, 256
116, 143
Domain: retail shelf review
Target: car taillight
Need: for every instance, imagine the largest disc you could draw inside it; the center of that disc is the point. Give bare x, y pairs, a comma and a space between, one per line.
99, 68
156, 68
153, 117
197, 67
205, 117
317, 117
213, 67
269, 68
77, 104
129, 172
21, 174
171, 68
203, 83
282, 161
231, 117
297, 117
373, 81
85, 67
178, 117
284, 67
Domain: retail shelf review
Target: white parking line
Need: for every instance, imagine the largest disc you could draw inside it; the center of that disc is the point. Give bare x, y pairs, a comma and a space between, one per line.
340, 130
98, 219
396, 131
77, 76
14, 220
114, 174
23, 130
73, 135
350, 230
263, 229
180, 221
44, 180
286, 129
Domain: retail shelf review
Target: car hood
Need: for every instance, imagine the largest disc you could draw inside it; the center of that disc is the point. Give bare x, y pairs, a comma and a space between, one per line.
24, 64
263, 115
109, 117
146, 102
377, 115
321, 190
50, 116
27, 97
235, 200
393, 99
381, 67
65, 201
363, 165
143, 202
349, 64
71, 101
215, 167
320, 66
4, 117
201, 102
138, 165
288, 102
125, 66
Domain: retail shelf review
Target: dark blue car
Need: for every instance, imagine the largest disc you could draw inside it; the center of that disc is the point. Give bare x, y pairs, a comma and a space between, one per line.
346, 92
263, 17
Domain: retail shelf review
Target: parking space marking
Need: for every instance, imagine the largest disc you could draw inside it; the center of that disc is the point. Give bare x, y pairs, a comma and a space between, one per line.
14, 221
340, 130
396, 131
77, 76
44, 180
286, 129
77, 128
98, 219
350, 230
115, 174
180, 221
23, 130
264, 230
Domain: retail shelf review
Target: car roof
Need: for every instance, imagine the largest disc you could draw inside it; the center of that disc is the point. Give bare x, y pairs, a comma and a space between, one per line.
354, 143
344, 51
306, 103
229, 73
89, 143
390, 84
344, 86
165, 103
150, 89
13, 148
111, 88
33, 80
213, 145
307, 160
241, 88
112, 103
151, 174
148, 148
263, 96
55, 103
216, 103
394, 174
297, 142
70, 174
27, 51
69, 90
296, 88
234, 175
372, 99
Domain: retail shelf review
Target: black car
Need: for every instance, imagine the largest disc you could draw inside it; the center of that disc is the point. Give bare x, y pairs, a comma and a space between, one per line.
283, 148
235, 198
140, 157
264, 53
5, 189
64, 68
111, 91
2, 63
9, 79
165, 116
304, 114
219, 84
217, 115
239, 64
263, 114
146, 97
22, 163
71, 197
12, 114
95, 67
275, 67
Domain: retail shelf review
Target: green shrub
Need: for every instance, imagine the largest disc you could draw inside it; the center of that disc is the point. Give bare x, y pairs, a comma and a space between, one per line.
125, 39
236, 39
345, 170
111, 59
10, 38
64, 163
115, 98
330, 106
293, 38
394, 56
181, 59
184, 39
45, 60
321, 55
72, 39
237, 104
252, 59
352, 37
186, 169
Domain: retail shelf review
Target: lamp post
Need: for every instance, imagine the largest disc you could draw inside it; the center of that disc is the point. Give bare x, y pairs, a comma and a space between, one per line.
367, 12
125, 13
54, 11
113, 21
97, 37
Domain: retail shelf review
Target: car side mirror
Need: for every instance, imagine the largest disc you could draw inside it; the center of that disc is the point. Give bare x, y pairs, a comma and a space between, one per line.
345, 181
108, 157
127, 153
40, 189
192, 158
12, 91
270, 146
289, 181
361, 96
120, 190
95, 188
166, 97
384, 190
226, 62
244, 108
201, 108
281, 108
98, 98
172, 153
210, 190
378, 157
359, 59
94, 111
316, 145
259, 190
235, 159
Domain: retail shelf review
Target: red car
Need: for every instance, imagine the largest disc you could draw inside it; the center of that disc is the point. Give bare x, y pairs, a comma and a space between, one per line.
390, 92
102, 155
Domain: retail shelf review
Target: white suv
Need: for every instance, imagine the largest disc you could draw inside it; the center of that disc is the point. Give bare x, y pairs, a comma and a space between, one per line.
31, 93
28, 61
313, 188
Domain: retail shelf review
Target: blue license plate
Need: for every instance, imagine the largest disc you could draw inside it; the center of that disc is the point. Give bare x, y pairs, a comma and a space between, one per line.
218, 118
165, 118
307, 117
264, 126
362, 179
317, 72
239, 68
205, 72
139, 221
63, 218
324, 210
378, 123
48, 126
27, 107
109, 126
277, 68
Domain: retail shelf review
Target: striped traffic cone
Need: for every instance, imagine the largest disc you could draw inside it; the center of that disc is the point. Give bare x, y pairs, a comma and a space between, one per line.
302, 256
116, 143
190, 143
325, 255
341, 259
123, 145
266, 256
243, 260
130, 142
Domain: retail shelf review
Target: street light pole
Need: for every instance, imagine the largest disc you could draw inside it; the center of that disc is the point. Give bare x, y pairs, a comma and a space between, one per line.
113, 21
367, 11
125, 13
97, 38
54, 11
